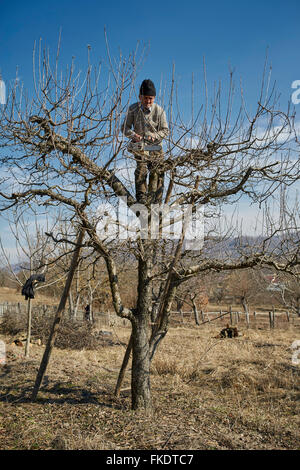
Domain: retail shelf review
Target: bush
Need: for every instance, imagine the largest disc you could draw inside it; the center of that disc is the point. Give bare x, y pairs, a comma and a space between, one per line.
71, 335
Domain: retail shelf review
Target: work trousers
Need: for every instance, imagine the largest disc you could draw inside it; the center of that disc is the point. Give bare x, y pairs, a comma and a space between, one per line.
151, 163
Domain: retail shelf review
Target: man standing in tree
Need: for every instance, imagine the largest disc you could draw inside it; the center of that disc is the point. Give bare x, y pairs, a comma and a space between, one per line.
146, 124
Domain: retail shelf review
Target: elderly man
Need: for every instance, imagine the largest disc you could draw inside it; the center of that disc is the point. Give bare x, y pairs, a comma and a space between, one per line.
146, 122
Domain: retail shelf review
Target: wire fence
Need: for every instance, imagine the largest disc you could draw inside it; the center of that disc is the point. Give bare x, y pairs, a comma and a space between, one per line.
107, 318
266, 318
258, 318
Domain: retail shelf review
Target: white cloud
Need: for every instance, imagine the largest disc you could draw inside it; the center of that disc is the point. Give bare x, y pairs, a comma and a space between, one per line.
277, 133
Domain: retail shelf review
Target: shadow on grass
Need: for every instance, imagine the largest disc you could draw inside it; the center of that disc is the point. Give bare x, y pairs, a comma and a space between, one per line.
58, 394
17, 388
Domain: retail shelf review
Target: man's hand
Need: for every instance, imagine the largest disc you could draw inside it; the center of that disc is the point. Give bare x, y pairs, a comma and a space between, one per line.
151, 137
137, 138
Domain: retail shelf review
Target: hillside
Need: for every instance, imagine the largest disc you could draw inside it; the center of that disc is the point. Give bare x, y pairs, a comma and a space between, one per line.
8, 294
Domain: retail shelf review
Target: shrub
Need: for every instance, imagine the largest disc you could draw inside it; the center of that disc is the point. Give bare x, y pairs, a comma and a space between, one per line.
71, 335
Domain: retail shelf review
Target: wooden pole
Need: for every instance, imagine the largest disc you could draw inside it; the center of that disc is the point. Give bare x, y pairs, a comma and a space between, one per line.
254, 318
181, 314
202, 316
123, 367
288, 315
58, 317
271, 319
231, 319
196, 316
29, 318
247, 317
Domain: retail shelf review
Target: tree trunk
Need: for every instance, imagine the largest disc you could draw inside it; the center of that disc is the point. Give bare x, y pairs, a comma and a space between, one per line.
76, 306
195, 310
91, 319
154, 311
298, 306
140, 378
71, 306
246, 310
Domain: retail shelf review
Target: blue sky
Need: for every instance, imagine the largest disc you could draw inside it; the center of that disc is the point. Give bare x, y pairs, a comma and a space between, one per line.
227, 34
235, 33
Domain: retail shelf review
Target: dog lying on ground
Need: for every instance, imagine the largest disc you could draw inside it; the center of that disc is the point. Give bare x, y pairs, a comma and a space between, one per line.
228, 332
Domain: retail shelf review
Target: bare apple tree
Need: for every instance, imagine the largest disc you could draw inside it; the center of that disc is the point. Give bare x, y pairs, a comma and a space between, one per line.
64, 147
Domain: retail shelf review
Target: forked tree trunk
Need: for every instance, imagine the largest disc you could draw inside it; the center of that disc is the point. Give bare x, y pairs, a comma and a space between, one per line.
143, 347
143, 344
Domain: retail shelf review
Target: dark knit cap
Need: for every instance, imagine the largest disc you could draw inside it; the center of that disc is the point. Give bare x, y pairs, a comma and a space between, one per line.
147, 88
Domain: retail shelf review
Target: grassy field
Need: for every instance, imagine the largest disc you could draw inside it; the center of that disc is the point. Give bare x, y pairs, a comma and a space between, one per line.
208, 393
8, 294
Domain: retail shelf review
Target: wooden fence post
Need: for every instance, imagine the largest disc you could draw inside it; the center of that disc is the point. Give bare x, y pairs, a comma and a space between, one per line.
231, 319
272, 319
288, 315
247, 316
181, 314
202, 316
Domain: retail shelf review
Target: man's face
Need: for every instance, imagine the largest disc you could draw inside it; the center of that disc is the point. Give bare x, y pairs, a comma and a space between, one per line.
147, 101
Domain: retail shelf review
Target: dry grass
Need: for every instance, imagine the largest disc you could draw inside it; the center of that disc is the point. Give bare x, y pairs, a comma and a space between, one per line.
208, 393
72, 334
13, 295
